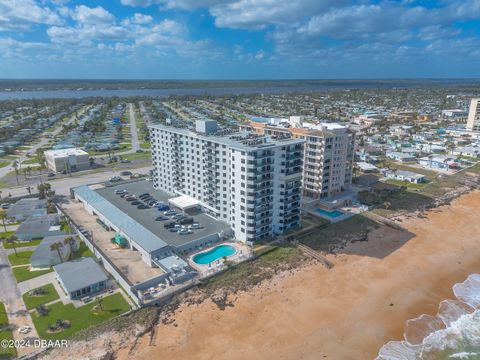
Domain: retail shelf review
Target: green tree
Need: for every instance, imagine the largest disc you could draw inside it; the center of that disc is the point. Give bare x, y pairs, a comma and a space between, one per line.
57, 247
45, 191
11, 240
70, 241
3, 216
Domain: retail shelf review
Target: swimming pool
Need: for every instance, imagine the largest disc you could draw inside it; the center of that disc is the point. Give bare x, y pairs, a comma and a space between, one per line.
330, 214
214, 254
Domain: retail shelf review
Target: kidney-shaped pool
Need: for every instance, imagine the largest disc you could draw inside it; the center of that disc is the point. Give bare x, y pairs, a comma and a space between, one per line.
214, 254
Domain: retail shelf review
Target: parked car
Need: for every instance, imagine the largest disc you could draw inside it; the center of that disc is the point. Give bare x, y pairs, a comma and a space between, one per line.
51, 174
124, 195
120, 191
5, 206
169, 225
194, 226
185, 231
115, 179
125, 161
142, 206
136, 202
169, 212
161, 218
130, 198
144, 194
187, 220
173, 230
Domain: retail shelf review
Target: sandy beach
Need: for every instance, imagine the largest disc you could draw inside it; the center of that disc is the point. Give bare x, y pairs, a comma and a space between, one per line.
347, 312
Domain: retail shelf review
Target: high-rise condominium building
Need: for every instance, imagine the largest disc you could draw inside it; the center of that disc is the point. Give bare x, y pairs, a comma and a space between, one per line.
329, 153
252, 182
473, 121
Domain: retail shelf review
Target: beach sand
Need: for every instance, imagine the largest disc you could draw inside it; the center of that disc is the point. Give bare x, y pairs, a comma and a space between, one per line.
347, 312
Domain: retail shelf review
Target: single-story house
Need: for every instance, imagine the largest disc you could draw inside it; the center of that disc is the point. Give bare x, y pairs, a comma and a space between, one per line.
37, 227
400, 156
44, 256
367, 168
472, 151
405, 176
25, 208
81, 277
439, 162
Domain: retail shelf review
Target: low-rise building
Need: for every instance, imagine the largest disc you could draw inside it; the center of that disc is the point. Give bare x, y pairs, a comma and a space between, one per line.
44, 256
26, 208
91, 281
408, 176
400, 156
68, 160
37, 227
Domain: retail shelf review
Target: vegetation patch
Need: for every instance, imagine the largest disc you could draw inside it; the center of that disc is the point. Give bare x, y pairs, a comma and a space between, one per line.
83, 251
329, 237
48, 326
19, 244
20, 258
23, 273
5, 334
40, 296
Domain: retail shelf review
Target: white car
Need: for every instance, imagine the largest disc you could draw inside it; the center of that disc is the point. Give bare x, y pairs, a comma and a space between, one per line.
24, 329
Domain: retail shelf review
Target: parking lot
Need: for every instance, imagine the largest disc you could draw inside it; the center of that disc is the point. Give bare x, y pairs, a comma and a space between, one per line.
147, 217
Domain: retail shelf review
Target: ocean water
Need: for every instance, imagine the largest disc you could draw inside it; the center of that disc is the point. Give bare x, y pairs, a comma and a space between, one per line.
454, 333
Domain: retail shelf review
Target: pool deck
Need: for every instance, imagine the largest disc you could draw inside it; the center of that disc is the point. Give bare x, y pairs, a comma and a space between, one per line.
243, 252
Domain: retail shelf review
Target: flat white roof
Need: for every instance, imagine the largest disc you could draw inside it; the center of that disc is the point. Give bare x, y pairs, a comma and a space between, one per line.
65, 152
184, 202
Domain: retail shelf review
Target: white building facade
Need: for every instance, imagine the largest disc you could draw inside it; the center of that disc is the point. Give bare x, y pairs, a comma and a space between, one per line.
473, 121
67, 160
251, 182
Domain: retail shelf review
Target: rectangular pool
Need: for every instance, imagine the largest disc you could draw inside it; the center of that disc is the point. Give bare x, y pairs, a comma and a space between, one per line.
329, 214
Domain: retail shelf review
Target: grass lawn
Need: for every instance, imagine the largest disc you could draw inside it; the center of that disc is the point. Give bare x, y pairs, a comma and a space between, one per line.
322, 238
403, 201
5, 235
6, 334
21, 258
32, 302
20, 244
83, 251
23, 273
80, 318
30, 161
136, 156
408, 184
4, 163
145, 145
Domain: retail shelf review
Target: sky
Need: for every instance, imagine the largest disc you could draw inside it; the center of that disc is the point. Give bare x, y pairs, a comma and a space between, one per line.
239, 39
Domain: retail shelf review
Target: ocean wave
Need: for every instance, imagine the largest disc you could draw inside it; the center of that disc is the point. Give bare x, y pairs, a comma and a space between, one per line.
444, 336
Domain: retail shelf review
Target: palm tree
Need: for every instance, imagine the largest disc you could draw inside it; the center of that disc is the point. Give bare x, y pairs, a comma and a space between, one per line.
3, 217
69, 240
65, 225
100, 302
29, 189
11, 240
15, 167
57, 246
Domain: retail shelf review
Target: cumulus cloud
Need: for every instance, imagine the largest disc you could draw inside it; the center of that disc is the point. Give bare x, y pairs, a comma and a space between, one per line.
86, 15
19, 15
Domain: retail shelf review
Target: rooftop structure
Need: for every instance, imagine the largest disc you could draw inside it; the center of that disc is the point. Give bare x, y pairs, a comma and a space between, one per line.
44, 256
36, 227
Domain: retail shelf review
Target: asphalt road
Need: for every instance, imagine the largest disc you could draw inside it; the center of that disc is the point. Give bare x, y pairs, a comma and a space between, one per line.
62, 186
9, 292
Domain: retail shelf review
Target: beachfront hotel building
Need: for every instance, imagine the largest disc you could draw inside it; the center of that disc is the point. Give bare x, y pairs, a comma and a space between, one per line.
329, 153
250, 181
473, 121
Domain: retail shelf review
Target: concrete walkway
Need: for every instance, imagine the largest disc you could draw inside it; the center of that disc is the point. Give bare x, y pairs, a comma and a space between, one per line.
133, 129
36, 282
17, 313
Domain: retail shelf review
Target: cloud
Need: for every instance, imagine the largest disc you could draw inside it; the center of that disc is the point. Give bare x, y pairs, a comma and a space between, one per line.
20, 15
86, 15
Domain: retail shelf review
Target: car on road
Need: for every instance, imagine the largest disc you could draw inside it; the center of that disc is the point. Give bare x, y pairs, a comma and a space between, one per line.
115, 179
125, 161
139, 151
51, 174
126, 173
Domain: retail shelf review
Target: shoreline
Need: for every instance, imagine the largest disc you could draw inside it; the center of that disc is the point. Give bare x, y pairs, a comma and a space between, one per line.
347, 312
